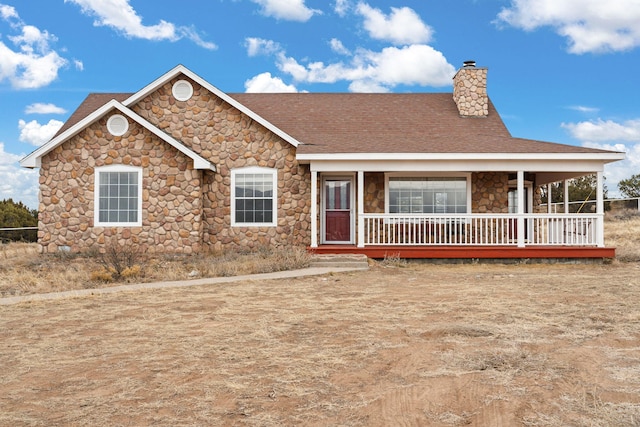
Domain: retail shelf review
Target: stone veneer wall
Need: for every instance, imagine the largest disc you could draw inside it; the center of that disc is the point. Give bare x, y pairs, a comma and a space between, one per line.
490, 192
470, 91
171, 193
230, 140
374, 192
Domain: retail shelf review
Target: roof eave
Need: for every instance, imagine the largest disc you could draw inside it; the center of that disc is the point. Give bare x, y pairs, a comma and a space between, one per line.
606, 156
34, 159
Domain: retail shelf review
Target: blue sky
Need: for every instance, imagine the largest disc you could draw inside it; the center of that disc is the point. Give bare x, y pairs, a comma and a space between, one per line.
559, 70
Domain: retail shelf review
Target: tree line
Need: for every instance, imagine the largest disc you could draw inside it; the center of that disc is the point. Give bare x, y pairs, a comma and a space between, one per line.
16, 215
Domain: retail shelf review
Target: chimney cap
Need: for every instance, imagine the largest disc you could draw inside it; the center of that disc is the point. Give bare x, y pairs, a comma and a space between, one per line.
469, 64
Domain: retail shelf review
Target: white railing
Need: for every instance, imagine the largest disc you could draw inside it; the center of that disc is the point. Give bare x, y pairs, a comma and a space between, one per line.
480, 229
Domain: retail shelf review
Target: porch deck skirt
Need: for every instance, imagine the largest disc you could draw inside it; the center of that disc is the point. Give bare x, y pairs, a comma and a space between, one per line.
470, 252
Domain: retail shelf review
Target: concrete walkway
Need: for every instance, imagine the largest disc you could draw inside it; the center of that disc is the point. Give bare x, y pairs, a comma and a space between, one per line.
311, 271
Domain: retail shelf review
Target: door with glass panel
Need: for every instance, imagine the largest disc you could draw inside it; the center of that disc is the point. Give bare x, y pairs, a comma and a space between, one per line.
338, 210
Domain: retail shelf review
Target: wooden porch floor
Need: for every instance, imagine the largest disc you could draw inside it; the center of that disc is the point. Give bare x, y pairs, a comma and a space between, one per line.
470, 252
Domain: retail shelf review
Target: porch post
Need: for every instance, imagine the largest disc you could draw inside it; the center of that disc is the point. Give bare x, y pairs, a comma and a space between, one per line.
600, 209
314, 208
521, 218
566, 196
549, 198
360, 218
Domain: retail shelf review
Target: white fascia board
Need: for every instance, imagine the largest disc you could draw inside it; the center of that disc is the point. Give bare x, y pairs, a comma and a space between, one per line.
461, 165
181, 69
33, 160
353, 157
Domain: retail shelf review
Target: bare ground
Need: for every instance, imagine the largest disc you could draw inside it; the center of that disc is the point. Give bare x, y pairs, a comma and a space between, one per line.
440, 345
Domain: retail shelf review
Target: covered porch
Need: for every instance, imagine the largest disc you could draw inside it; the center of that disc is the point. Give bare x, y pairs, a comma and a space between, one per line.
423, 221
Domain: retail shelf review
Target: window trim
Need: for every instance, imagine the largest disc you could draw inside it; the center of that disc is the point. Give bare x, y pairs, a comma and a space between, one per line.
96, 195
466, 175
254, 170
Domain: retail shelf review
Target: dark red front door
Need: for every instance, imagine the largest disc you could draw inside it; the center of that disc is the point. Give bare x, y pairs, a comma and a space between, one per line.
337, 208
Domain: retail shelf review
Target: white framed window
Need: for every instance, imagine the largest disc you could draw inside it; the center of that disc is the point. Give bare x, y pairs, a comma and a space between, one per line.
182, 90
118, 196
254, 197
117, 125
420, 194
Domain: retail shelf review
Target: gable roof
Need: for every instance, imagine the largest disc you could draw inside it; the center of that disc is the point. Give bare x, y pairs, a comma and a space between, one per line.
33, 159
352, 126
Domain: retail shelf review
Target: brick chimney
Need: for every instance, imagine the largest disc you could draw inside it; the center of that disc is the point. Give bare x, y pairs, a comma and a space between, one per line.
470, 90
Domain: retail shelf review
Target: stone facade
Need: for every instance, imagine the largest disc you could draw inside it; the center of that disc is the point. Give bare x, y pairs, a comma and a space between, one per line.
187, 210
171, 195
184, 210
230, 140
490, 192
470, 91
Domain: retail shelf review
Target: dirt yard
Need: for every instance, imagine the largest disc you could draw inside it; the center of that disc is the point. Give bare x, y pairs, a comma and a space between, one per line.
424, 345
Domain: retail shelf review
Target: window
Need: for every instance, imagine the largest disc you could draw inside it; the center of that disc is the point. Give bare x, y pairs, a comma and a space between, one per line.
434, 195
118, 196
253, 198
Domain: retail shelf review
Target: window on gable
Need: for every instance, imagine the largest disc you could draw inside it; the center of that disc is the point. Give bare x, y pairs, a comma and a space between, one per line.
118, 196
434, 195
253, 198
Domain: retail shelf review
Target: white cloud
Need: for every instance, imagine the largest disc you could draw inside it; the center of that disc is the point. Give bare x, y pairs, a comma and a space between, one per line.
17, 183
605, 130
121, 16
289, 10
36, 134
402, 26
584, 109
341, 7
7, 12
257, 46
33, 64
192, 34
377, 71
78, 64
266, 83
40, 108
338, 47
589, 25
612, 136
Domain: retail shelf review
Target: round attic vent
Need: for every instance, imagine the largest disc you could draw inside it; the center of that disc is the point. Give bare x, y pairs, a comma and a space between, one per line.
117, 125
182, 90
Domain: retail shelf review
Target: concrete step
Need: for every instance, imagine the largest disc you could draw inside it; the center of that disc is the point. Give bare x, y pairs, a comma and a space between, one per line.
355, 261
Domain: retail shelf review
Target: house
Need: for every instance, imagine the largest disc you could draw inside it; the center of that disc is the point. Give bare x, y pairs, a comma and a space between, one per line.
180, 166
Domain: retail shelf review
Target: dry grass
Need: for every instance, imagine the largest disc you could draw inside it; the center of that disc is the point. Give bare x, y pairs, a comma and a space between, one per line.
23, 271
401, 344
441, 345
622, 231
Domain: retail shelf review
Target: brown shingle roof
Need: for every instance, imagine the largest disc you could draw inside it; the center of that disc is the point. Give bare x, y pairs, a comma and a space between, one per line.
389, 123
90, 104
327, 123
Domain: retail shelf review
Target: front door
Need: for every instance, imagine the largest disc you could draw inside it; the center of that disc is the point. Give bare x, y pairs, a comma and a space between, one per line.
338, 215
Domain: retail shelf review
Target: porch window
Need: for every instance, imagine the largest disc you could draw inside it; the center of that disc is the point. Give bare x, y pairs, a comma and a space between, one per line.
253, 198
118, 196
433, 195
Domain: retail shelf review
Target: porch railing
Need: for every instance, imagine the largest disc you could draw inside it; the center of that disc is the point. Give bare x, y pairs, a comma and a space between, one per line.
480, 229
